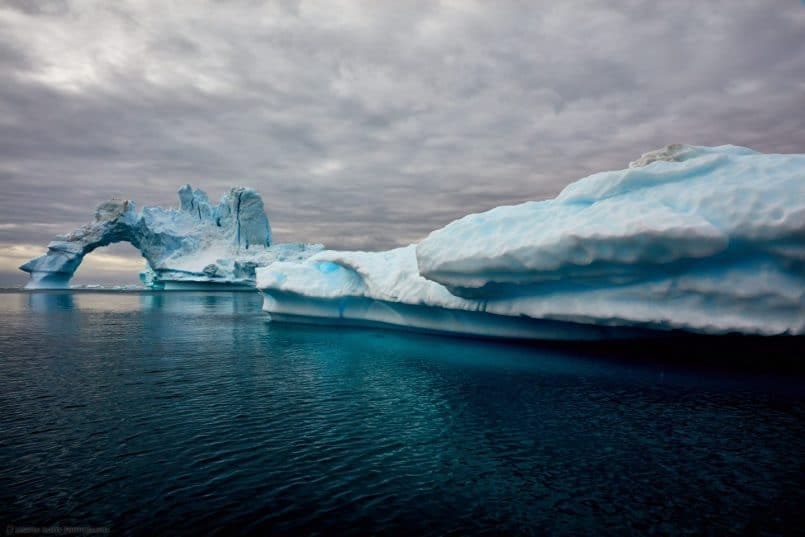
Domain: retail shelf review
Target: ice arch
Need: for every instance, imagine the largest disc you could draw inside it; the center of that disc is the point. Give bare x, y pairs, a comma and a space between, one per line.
196, 243
113, 223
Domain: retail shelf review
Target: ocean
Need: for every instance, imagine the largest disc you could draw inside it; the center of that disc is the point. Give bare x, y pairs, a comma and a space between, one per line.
188, 413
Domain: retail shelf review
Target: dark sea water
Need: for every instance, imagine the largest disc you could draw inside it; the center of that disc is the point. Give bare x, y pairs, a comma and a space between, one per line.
189, 414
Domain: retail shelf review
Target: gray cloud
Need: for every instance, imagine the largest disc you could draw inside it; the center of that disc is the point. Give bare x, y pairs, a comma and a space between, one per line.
366, 125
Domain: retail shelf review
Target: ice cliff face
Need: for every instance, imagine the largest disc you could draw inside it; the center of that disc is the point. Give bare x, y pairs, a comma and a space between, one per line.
708, 240
198, 244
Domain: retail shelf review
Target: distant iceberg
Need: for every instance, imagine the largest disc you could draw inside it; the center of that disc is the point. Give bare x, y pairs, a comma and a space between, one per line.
700, 239
196, 246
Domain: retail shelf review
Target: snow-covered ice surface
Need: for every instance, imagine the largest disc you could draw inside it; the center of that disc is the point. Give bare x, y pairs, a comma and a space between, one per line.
708, 240
195, 246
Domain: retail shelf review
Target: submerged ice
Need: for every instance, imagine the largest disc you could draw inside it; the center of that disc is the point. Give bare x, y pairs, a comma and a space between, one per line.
708, 240
197, 245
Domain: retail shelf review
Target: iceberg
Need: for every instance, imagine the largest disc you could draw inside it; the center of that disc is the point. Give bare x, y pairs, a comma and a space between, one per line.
195, 246
386, 289
707, 240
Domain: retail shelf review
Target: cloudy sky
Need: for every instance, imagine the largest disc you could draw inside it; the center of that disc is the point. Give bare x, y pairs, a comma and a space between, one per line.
368, 124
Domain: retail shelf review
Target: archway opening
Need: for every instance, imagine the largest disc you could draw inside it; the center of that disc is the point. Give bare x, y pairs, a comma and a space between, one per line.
117, 264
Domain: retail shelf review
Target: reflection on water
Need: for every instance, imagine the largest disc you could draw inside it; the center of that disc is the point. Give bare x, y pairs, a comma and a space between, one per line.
186, 413
200, 302
44, 301
114, 301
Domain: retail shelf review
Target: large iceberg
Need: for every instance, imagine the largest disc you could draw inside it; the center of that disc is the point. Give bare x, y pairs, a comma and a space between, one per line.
195, 246
700, 239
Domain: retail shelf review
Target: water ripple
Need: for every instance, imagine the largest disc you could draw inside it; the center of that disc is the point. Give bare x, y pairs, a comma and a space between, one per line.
191, 415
